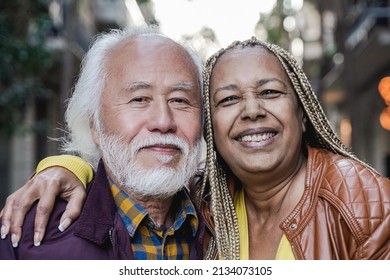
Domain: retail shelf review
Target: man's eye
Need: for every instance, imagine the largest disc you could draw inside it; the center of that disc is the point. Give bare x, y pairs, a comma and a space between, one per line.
180, 101
138, 100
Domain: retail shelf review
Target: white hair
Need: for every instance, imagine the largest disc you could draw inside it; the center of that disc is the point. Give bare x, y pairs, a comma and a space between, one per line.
83, 108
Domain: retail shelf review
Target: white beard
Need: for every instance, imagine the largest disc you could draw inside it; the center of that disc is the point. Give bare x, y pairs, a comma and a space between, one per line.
161, 182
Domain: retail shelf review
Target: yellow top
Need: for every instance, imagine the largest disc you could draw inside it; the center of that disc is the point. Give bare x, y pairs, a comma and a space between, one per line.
81, 169
284, 250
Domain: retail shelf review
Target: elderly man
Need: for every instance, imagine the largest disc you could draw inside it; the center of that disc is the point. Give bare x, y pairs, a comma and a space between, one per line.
135, 115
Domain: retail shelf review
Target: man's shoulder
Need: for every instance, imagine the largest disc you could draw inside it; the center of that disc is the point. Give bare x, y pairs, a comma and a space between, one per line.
53, 222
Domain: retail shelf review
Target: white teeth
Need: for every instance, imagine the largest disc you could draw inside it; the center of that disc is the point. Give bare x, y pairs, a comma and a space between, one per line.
256, 137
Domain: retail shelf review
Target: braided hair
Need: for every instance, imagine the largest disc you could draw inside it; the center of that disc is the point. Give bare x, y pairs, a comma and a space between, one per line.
318, 134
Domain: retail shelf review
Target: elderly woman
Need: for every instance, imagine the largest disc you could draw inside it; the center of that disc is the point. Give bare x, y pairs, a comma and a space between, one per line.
282, 185
278, 181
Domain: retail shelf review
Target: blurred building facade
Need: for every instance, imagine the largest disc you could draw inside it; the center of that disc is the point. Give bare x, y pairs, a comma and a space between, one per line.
356, 43
344, 47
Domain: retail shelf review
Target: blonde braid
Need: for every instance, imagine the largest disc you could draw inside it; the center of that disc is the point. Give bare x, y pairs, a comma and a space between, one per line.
222, 206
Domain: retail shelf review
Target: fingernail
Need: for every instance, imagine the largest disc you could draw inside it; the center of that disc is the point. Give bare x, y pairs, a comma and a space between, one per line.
3, 231
37, 239
64, 225
14, 240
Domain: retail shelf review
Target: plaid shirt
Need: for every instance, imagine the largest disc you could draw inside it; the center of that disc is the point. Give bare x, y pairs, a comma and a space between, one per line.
151, 242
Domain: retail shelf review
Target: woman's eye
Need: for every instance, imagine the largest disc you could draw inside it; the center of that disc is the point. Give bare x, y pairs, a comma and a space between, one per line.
228, 100
270, 93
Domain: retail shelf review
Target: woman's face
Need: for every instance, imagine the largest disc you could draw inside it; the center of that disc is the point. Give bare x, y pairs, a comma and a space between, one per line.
257, 121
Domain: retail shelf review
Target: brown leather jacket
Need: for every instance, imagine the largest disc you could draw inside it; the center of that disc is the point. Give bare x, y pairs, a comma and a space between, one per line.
344, 212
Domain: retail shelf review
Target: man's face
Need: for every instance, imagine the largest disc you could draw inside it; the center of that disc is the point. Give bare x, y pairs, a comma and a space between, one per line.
152, 94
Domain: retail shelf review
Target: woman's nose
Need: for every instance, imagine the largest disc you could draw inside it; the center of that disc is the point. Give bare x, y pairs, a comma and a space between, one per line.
252, 108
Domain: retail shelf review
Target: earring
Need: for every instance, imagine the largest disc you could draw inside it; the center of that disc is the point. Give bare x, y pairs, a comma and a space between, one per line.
304, 121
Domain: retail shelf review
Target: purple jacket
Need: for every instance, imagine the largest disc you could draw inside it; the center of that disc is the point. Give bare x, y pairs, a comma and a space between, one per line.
98, 233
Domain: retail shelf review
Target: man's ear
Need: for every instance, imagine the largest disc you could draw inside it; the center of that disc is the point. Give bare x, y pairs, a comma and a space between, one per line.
95, 134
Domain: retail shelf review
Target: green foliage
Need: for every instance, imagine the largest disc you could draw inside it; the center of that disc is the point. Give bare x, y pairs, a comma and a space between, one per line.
24, 60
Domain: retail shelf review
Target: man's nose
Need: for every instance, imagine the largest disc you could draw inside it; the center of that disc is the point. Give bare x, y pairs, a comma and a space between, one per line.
162, 118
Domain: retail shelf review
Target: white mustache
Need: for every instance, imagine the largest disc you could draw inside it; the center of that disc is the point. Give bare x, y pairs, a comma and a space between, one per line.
160, 139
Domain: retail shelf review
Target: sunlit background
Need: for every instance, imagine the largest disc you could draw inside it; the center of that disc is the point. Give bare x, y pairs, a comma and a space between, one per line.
228, 20
210, 25
343, 46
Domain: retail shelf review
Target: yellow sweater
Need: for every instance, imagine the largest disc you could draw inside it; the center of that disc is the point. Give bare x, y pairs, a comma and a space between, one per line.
74, 164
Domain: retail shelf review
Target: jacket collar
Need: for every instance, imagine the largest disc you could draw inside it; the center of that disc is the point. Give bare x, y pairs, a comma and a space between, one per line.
98, 214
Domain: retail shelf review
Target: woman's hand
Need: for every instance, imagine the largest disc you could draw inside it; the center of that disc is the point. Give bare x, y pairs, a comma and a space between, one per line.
45, 186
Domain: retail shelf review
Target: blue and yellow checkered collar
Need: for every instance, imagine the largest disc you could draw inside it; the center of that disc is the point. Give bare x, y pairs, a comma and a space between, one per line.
133, 213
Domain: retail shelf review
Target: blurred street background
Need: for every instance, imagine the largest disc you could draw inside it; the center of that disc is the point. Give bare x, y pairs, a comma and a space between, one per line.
343, 46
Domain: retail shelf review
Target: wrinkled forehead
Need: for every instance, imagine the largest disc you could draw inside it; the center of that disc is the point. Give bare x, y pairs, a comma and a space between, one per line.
255, 61
144, 45
151, 52
256, 53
